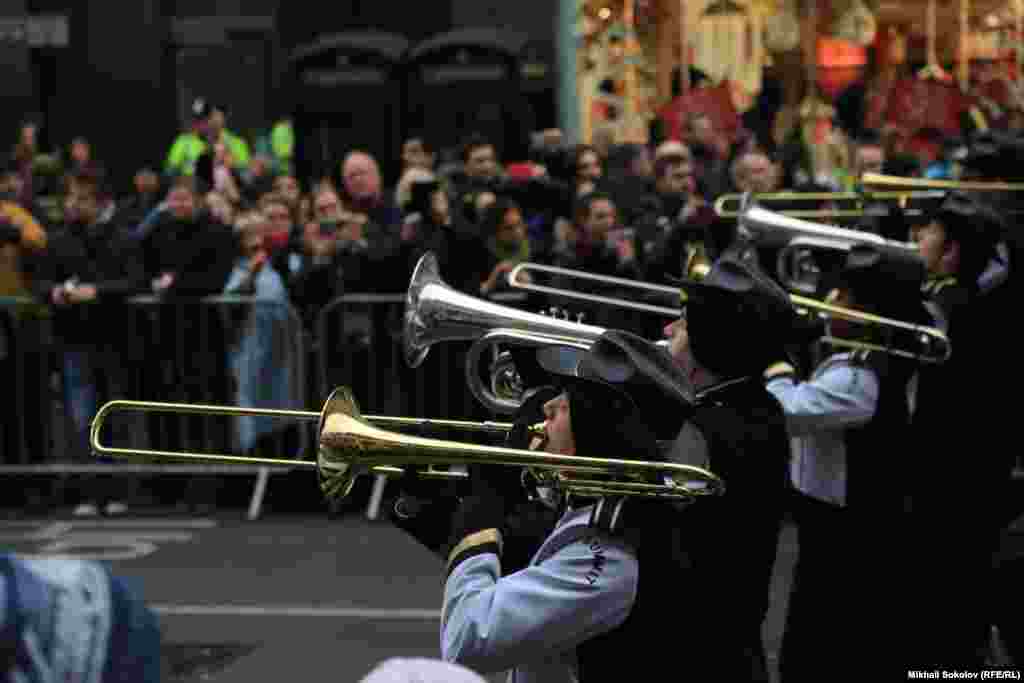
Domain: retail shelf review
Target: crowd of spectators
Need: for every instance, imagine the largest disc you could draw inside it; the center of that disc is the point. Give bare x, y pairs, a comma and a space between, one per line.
217, 218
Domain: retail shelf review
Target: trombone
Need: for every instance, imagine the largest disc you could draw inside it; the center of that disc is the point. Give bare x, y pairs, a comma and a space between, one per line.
935, 347
732, 205
910, 184
765, 228
352, 444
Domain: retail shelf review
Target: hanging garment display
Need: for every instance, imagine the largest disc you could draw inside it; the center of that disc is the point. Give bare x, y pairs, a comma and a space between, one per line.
727, 45
715, 101
915, 103
824, 143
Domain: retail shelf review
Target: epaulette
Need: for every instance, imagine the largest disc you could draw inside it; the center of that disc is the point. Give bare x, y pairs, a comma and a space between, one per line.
935, 285
607, 514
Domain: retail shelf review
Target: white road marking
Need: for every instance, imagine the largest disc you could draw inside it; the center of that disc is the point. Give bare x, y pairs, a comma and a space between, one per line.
294, 611
162, 523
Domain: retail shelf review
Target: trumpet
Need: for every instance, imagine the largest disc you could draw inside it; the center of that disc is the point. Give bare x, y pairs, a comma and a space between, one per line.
773, 229
351, 445
933, 345
733, 205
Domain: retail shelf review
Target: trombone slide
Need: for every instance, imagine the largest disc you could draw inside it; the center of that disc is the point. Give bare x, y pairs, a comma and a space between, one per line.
881, 180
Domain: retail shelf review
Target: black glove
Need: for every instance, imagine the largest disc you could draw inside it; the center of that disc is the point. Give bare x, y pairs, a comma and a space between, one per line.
477, 523
9, 234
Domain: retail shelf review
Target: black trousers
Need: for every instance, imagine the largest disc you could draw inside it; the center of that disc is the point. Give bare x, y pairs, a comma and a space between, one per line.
849, 610
961, 589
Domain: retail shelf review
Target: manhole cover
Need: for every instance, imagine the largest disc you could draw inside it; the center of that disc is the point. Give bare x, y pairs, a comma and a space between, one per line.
200, 661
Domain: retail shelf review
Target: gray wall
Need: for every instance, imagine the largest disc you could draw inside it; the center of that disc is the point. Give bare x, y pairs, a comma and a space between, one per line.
17, 94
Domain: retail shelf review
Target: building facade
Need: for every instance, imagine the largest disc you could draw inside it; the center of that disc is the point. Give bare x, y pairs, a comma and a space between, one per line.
124, 73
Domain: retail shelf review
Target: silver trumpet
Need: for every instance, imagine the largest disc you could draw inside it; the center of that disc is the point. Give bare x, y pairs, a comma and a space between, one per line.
435, 312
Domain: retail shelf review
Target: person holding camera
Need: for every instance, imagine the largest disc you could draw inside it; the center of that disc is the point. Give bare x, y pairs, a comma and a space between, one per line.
344, 252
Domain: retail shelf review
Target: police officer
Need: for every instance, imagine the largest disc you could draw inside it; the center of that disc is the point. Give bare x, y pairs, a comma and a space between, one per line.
581, 599
850, 427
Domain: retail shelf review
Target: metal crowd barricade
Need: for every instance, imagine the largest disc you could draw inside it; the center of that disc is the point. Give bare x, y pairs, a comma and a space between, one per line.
358, 340
219, 349
263, 364
27, 429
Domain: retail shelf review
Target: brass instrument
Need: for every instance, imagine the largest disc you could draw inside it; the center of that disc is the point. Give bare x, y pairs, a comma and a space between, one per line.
773, 229
934, 345
350, 445
434, 312
909, 184
724, 204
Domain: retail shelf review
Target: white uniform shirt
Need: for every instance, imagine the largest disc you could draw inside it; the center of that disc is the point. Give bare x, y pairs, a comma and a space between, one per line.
838, 395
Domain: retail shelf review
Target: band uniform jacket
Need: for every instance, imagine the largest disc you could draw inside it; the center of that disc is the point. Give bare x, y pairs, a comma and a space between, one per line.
850, 428
725, 544
530, 622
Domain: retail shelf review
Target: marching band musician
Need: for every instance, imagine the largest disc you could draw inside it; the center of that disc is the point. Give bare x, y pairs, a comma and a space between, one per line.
961, 493
851, 414
1000, 157
584, 580
739, 429
580, 604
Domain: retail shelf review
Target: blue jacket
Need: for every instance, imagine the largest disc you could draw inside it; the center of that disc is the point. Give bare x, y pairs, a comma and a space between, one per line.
73, 621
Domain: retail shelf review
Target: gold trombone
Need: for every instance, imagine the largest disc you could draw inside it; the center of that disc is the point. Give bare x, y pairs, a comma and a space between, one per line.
724, 204
925, 184
351, 445
935, 347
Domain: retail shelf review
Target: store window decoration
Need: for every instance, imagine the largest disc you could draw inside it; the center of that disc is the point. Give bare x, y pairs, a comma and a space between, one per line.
608, 45
782, 28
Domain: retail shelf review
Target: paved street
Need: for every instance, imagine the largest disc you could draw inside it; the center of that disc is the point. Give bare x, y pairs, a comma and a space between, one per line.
244, 601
